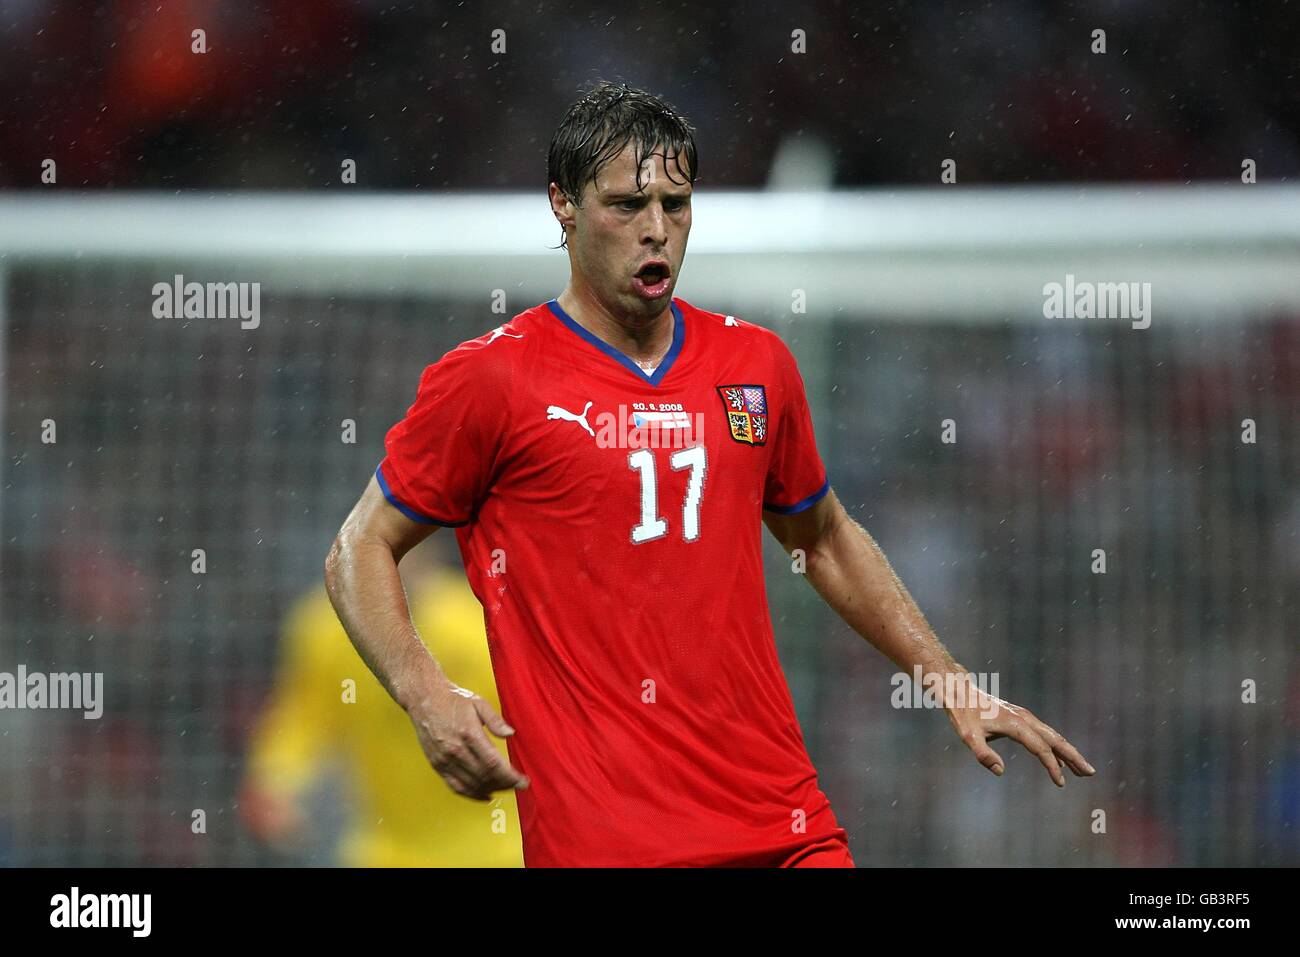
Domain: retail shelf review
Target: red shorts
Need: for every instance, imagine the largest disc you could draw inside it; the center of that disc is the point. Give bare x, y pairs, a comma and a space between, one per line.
828, 852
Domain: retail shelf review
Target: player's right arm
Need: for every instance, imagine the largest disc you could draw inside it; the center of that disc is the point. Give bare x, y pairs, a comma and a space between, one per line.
366, 590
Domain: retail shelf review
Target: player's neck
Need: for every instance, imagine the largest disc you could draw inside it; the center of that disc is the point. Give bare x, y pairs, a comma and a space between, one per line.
645, 343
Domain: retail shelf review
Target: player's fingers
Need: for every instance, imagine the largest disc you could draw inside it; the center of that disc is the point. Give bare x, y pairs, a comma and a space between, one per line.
450, 770
494, 772
989, 758
1065, 750
976, 741
1034, 742
457, 778
458, 784
493, 721
457, 761
468, 757
449, 758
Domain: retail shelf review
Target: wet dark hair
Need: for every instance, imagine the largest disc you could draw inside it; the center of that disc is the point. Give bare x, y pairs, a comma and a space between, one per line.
598, 127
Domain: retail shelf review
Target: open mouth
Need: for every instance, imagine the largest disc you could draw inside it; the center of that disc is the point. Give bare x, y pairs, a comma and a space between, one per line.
652, 279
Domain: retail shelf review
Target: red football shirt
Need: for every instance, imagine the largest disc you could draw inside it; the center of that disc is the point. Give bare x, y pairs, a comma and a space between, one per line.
610, 522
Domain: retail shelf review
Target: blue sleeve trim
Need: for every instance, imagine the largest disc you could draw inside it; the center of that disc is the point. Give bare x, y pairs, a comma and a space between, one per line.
803, 505
406, 510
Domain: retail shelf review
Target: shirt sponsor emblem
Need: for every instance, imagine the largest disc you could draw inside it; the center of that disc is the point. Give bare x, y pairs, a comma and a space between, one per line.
558, 412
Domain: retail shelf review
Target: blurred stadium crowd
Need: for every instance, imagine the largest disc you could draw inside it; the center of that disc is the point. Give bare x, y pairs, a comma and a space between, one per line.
415, 94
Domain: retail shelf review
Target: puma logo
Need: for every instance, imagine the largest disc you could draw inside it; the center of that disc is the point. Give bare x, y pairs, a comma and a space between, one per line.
555, 412
500, 331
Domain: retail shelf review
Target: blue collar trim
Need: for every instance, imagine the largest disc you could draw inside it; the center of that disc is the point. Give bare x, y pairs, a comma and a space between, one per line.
679, 337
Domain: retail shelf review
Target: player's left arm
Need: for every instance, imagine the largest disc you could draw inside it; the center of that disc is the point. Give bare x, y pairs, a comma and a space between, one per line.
848, 569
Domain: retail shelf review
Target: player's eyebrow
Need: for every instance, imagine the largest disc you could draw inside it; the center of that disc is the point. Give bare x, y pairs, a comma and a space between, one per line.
631, 194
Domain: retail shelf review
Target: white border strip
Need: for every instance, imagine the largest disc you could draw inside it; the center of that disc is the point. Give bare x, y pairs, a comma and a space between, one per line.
949, 251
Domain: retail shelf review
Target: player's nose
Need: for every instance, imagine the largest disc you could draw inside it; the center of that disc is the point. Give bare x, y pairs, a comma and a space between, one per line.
655, 228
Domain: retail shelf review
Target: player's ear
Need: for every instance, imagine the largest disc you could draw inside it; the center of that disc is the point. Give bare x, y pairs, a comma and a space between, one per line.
561, 206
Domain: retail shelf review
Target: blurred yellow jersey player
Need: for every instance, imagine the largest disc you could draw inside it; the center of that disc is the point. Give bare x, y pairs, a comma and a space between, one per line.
327, 706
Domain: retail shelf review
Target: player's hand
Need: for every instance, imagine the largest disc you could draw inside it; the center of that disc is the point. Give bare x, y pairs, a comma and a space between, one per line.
979, 717
449, 724
273, 818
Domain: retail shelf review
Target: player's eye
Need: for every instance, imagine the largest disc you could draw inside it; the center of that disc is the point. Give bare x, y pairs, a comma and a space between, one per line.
631, 205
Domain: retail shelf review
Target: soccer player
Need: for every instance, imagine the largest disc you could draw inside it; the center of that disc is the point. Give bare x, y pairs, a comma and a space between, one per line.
606, 459
325, 709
